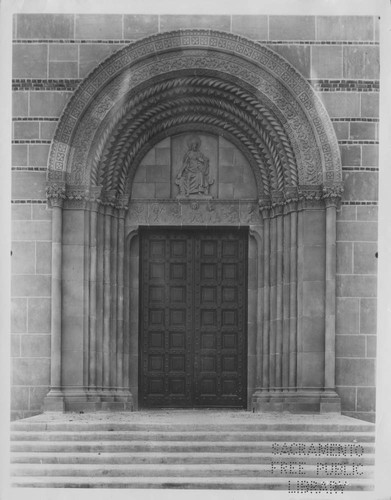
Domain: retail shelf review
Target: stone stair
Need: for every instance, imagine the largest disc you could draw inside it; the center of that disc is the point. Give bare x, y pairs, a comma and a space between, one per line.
194, 450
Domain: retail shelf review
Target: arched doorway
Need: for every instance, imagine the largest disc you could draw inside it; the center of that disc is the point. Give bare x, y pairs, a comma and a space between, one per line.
164, 88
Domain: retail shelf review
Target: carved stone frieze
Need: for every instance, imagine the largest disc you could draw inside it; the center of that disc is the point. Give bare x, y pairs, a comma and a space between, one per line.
193, 212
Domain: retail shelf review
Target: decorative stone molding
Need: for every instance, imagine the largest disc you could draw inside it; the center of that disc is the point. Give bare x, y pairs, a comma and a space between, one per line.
198, 212
249, 93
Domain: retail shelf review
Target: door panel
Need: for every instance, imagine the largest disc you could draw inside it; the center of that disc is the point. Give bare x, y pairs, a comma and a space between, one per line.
193, 317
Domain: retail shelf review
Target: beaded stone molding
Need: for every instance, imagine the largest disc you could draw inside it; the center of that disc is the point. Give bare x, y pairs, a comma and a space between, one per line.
193, 80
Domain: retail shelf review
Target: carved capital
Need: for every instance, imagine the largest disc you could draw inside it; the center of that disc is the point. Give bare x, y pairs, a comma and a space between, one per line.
332, 195
55, 193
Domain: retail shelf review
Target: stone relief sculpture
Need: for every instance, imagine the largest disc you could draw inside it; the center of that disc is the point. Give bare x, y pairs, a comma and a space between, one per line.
193, 178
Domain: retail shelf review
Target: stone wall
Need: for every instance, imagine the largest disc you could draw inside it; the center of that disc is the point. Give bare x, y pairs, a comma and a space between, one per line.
338, 55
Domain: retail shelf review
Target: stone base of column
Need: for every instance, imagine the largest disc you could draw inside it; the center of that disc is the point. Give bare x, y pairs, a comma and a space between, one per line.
54, 401
80, 399
299, 401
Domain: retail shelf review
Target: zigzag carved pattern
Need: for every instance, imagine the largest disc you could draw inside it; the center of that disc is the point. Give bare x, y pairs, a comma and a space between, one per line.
199, 107
250, 106
141, 128
184, 119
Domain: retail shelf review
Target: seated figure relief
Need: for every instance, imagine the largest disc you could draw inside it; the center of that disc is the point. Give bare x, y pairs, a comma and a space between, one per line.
193, 177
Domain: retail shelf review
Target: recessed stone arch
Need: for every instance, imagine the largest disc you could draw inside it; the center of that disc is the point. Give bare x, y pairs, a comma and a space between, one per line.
163, 85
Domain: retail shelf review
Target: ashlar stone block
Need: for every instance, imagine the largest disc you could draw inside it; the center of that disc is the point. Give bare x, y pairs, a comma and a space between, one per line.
38, 155
370, 155
356, 286
31, 230
370, 105
47, 130
291, 27
15, 346
43, 26
23, 257
20, 212
92, 54
348, 397
29, 60
361, 62
344, 28
39, 314
254, 27
43, 257
371, 346
30, 286
26, 130
350, 346
365, 261
19, 155
364, 131
351, 155
326, 61
30, 371
35, 346
341, 104
63, 69
356, 231
19, 398
48, 103
18, 315
344, 258
366, 398
341, 130
28, 185
20, 103
63, 52
360, 186
368, 316
347, 316
355, 371
37, 395
369, 213
216, 22
140, 26
298, 55
98, 26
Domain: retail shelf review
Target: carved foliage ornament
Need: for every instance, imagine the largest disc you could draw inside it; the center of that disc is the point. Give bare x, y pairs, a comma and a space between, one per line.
252, 63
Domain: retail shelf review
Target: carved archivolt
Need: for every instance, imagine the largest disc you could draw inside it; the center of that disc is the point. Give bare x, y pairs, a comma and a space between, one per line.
193, 79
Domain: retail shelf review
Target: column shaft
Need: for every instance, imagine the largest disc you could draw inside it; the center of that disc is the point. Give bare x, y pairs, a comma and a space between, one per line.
279, 302
106, 299
55, 368
330, 297
92, 297
120, 299
266, 300
286, 293
293, 302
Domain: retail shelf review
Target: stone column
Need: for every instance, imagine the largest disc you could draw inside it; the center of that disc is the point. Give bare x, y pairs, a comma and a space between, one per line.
120, 299
330, 400
54, 400
92, 298
106, 298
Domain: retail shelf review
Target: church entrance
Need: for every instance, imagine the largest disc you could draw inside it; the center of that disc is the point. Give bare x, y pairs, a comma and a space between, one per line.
193, 317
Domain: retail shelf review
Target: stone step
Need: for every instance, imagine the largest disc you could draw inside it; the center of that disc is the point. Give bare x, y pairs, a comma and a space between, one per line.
330, 437
235, 483
173, 458
197, 427
352, 449
353, 470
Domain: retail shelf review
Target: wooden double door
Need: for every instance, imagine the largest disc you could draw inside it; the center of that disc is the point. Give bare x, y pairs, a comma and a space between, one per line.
193, 317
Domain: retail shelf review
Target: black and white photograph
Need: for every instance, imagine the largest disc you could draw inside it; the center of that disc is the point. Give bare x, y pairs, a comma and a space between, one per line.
196, 265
